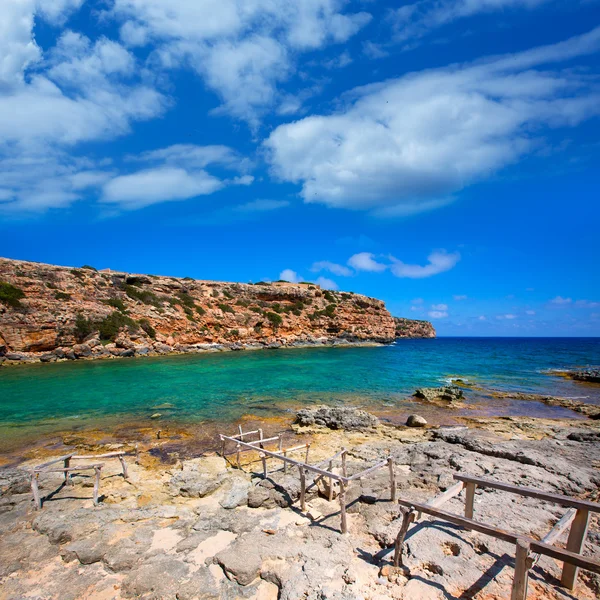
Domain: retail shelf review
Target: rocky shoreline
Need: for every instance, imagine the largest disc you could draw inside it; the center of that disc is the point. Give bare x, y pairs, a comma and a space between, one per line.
50, 313
201, 528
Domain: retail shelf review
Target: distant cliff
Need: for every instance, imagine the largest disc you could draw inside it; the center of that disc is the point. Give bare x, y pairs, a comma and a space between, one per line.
410, 328
52, 313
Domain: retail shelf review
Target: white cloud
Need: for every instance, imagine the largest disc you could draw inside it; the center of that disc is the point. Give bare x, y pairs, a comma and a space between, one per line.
410, 144
325, 265
417, 301
437, 314
439, 306
482, 318
258, 206
290, 276
412, 21
162, 184
530, 312
327, 284
509, 317
561, 301
438, 262
243, 50
365, 261
460, 297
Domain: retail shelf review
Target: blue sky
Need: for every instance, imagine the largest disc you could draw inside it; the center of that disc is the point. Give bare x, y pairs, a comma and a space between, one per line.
439, 155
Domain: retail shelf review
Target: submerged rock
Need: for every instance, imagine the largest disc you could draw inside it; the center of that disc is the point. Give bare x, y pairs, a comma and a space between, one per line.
336, 418
449, 393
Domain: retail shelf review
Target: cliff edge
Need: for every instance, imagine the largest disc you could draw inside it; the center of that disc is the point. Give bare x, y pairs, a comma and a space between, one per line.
411, 328
51, 313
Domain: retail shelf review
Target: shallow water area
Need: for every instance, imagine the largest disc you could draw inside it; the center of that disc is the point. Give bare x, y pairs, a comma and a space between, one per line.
129, 398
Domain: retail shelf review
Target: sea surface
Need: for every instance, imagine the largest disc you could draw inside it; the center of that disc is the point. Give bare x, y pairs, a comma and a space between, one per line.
37, 400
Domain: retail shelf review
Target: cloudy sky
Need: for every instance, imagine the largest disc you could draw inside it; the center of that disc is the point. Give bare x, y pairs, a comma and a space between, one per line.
442, 155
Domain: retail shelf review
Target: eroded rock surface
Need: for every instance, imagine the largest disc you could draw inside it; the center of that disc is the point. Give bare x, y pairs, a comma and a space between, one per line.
336, 417
203, 529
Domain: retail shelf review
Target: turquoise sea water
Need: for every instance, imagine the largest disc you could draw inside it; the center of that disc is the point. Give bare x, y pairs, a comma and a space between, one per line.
226, 386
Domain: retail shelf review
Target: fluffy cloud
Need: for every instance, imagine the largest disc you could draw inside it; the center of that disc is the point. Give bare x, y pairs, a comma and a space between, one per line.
326, 283
460, 297
439, 306
438, 262
178, 174
410, 144
365, 261
437, 314
241, 49
412, 21
325, 265
292, 276
508, 317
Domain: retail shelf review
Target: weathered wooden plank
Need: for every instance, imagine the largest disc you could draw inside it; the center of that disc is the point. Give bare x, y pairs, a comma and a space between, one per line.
342, 498
36, 491
531, 493
575, 544
52, 462
521, 577
390, 463
470, 499
69, 469
362, 474
554, 534
444, 497
408, 518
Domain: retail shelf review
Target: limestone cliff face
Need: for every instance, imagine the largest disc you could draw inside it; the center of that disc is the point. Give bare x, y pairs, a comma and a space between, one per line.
49, 313
411, 328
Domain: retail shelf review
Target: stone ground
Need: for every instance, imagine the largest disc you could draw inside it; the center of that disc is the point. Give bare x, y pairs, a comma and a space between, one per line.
203, 529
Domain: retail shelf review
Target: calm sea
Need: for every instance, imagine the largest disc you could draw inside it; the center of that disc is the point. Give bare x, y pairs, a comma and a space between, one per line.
227, 386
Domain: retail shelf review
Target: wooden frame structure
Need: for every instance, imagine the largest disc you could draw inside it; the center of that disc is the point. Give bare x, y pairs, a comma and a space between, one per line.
528, 550
304, 467
67, 469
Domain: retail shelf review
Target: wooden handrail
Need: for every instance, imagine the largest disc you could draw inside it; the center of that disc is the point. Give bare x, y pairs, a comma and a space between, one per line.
531, 493
53, 461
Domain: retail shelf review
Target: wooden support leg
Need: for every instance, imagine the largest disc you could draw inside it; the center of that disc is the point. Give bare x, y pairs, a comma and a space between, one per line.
344, 472
264, 464
519, 587
35, 490
330, 482
409, 517
238, 456
67, 475
470, 499
307, 450
302, 489
284, 462
124, 467
575, 543
223, 448
344, 522
392, 480
96, 484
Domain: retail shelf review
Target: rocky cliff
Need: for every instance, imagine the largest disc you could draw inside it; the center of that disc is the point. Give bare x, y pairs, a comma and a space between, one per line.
410, 328
51, 313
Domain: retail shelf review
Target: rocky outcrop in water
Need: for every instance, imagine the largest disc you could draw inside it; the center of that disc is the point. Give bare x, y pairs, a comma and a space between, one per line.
50, 313
336, 418
412, 328
591, 375
449, 393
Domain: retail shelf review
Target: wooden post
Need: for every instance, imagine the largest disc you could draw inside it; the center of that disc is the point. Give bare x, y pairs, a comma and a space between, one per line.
123, 466
137, 455
307, 449
575, 543
344, 472
241, 433
35, 490
519, 587
67, 474
302, 489
96, 484
408, 518
223, 447
330, 482
392, 479
264, 464
344, 523
470, 500
284, 462
238, 456
260, 437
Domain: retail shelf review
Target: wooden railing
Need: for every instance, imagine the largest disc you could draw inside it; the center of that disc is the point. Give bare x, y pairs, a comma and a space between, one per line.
528, 550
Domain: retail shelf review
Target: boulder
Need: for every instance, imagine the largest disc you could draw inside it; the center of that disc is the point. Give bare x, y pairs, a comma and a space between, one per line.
82, 350
199, 477
236, 492
127, 353
336, 418
48, 358
416, 421
449, 393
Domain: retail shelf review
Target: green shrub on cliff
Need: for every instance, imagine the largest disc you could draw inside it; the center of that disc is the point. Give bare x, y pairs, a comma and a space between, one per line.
10, 295
274, 319
226, 308
147, 327
83, 327
116, 303
62, 296
109, 327
144, 296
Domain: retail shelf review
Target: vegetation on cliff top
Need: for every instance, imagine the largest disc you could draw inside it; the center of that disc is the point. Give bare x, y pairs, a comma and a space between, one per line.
11, 295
